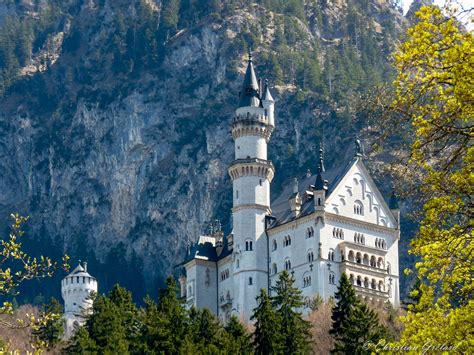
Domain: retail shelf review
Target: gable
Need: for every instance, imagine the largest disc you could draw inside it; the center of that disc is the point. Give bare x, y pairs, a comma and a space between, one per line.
357, 196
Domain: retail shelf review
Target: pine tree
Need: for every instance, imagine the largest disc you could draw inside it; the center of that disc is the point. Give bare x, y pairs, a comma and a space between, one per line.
165, 324
239, 340
295, 331
354, 323
267, 337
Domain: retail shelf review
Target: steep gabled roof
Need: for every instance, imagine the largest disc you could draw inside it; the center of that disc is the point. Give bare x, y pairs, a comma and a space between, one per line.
281, 208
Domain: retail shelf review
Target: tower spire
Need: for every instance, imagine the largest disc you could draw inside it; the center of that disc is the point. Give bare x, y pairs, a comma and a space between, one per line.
249, 95
321, 168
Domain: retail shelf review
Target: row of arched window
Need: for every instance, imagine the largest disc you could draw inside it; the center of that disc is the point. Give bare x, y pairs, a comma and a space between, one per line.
359, 238
338, 233
310, 232
225, 274
367, 283
380, 243
365, 260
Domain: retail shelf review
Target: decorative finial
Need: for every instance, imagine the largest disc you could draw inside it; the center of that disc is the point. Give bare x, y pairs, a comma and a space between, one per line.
250, 54
359, 150
321, 168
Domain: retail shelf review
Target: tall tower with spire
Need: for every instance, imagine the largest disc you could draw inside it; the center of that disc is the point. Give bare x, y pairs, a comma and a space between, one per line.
251, 173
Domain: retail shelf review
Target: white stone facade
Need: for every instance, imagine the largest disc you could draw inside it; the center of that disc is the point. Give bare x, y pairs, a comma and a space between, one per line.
75, 290
316, 229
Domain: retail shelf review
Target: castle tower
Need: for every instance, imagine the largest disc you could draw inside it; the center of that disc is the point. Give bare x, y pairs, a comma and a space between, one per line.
251, 175
75, 290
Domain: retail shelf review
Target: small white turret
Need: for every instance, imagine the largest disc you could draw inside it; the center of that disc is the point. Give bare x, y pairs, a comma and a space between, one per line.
76, 289
268, 104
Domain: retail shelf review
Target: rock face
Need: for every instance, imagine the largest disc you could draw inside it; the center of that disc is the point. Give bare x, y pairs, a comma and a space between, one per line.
100, 158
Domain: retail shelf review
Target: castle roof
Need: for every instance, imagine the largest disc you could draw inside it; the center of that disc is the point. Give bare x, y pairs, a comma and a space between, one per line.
80, 271
281, 208
249, 95
266, 93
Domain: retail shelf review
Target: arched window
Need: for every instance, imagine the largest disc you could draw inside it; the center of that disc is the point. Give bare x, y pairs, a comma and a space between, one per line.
351, 279
306, 280
389, 268
358, 208
332, 278
359, 281
365, 261
373, 261
366, 282
381, 286
237, 263
310, 256
248, 245
373, 284
358, 258
380, 263
250, 281
351, 256
274, 269
190, 290
237, 194
274, 244
287, 264
331, 255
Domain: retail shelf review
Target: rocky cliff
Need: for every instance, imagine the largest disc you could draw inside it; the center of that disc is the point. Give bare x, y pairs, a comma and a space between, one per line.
114, 128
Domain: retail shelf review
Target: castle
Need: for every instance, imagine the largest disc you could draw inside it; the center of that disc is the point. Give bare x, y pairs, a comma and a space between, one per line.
323, 225
75, 290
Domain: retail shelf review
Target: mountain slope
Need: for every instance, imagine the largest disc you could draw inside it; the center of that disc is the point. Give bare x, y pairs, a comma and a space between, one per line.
114, 123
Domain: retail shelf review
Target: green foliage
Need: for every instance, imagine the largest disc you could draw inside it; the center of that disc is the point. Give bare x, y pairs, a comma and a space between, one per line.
118, 326
355, 325
434, 94
52, 330
267, 336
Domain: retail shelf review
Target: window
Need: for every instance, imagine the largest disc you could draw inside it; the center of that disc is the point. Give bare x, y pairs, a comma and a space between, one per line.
332, 278
331, 255
260, 182
248, 245
250, 281
287, 241
225, 274
338, 233
310, 232
358, 208
77, 279
237, 194
306, 280
237, 263
274, 244
83, 279
274, 269
359, 238
287, 264
310, 256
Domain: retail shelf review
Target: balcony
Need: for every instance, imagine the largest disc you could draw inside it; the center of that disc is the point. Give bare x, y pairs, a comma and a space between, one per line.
348, 266
370, 292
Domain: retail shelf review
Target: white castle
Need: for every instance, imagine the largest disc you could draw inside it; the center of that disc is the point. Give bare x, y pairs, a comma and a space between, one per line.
75, 290
325, 224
